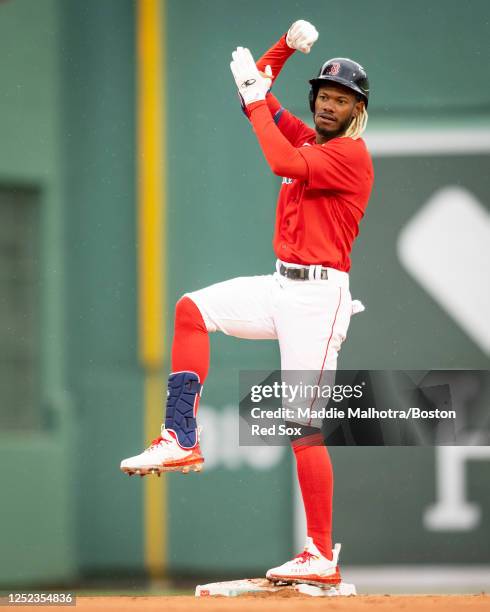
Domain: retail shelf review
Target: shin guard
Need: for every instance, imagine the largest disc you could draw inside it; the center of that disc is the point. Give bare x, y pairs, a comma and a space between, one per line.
184, 389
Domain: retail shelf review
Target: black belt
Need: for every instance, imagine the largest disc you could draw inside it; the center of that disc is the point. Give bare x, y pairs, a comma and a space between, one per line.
300, 273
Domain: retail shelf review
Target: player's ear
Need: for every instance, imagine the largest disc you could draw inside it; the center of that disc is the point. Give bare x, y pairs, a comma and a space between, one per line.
358, 108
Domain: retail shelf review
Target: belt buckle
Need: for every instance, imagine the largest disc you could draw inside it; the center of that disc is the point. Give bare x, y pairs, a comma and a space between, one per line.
298, 273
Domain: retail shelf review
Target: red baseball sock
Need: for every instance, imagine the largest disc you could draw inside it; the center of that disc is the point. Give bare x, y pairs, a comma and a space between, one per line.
190, 348
315, 477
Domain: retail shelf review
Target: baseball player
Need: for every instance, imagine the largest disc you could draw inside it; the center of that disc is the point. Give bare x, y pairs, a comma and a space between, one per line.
305, 304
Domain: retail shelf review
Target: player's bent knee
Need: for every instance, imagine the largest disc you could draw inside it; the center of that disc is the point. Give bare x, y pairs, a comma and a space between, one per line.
188, 315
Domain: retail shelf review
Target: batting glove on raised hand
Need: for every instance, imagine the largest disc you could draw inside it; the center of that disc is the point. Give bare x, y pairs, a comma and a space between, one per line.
252, 86
301, 36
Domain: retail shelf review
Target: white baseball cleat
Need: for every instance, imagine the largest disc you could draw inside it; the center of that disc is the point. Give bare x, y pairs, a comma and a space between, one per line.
164, 455
309, 567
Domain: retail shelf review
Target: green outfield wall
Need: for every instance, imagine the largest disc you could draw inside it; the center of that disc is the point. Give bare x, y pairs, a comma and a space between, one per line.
67, 126
98, 65
37, 490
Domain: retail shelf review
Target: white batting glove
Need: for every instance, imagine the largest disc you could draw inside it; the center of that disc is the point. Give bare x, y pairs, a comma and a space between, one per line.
252, 86
301, 36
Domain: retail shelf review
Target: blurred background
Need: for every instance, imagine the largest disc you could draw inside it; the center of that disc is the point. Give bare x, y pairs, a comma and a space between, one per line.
128, 175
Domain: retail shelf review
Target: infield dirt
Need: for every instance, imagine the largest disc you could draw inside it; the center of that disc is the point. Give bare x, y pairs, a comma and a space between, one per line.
287, 602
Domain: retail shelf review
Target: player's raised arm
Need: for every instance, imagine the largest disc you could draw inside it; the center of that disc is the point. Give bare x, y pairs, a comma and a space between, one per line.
301, 36
283, 158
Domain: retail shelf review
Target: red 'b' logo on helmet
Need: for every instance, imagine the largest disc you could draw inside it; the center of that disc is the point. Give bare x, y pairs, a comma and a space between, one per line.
334, 68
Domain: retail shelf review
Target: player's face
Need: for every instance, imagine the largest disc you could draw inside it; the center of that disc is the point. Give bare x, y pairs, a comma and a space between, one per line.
335, 107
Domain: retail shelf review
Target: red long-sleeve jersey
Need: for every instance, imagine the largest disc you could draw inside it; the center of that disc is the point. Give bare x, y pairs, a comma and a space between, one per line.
325, 188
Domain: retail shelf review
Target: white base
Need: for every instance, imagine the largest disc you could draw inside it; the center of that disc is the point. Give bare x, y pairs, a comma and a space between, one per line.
233, 588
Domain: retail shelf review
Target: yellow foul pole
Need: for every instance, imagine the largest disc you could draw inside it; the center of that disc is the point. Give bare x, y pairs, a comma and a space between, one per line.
151, 179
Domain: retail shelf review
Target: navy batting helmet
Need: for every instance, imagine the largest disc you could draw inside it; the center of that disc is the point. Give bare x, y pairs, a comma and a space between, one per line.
345, 72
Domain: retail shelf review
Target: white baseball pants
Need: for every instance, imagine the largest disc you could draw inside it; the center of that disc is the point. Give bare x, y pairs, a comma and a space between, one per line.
310, 318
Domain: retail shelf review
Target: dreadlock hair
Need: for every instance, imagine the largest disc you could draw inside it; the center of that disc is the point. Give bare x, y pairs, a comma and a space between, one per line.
357, 125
